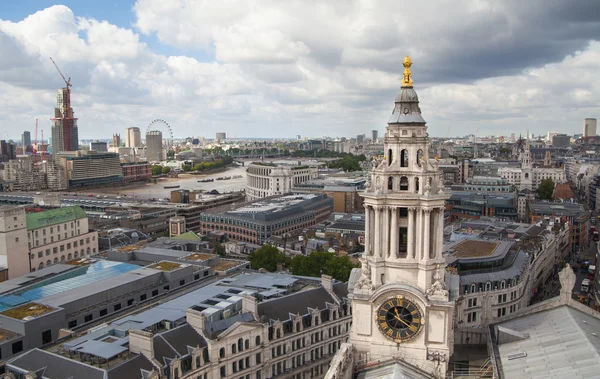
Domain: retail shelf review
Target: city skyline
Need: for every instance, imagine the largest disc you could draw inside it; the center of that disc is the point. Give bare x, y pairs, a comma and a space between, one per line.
205, 68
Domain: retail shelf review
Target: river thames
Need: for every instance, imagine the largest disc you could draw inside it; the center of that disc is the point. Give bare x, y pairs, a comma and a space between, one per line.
190, 182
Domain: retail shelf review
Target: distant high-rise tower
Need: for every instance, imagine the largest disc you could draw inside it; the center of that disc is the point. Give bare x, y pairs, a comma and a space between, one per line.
7, 151
116, 140
360, 139
589, 127
133, 137
25, 140
221, 136
374, 135
65, 135
154, 146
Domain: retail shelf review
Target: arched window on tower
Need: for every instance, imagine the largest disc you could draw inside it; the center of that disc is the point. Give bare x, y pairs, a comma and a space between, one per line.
416, 185
404, 183
390, 183
419, 157
526, 175
390, 157
404, 158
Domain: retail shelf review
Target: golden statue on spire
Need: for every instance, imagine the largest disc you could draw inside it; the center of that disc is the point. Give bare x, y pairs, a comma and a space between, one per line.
407, 76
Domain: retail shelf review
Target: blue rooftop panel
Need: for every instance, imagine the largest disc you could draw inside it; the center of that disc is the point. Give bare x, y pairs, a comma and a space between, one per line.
64, 282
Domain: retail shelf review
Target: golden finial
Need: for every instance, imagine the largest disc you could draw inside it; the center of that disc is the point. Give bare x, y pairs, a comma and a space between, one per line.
407, 76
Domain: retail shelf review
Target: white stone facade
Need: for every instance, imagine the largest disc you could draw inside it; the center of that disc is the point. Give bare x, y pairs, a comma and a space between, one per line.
264, 180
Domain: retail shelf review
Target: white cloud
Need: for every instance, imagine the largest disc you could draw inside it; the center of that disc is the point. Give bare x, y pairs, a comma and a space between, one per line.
307, 67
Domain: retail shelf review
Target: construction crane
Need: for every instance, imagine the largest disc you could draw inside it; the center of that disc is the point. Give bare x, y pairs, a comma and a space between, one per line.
34, 148
43, 149
67, 116
67, 82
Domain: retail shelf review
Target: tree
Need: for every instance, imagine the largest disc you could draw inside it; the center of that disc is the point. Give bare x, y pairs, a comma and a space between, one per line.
165, 170
319, 262
267, 257
546, 189
156, 170
219, 250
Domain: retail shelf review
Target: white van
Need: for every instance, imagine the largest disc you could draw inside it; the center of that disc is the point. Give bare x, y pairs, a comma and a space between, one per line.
585, 285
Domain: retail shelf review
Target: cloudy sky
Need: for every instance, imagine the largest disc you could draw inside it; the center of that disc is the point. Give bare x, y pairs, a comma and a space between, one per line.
281, 68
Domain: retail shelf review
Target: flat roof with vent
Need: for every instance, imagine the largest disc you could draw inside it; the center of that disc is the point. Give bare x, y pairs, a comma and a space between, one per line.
165, 266
24, 311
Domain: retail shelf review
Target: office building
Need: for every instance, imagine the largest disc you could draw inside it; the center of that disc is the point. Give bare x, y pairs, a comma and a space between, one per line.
257, 221
99, 146
154, 146
90, 168
489, 279
220, 137
589, 127
25, 140
561, 140
360, 139
133, 137
374, 135
65, 135
269, 179
573, 213
343, 190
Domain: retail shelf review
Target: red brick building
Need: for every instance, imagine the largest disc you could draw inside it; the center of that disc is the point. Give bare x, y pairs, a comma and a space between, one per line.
136, 171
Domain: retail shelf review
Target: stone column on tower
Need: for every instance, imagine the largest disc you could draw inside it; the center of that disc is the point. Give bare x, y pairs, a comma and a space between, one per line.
419, 239
377, 236
368, 247
427, 233
411, 233
394, 234
440, 230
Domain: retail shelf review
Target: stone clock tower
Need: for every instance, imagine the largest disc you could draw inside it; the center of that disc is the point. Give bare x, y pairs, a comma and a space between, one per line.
401, 308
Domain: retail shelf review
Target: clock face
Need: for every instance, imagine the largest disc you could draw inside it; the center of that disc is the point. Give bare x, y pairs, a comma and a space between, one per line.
399, 319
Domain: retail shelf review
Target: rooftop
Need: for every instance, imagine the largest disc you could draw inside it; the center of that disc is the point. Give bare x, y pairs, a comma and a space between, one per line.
198, 257
42, 219
474, 249
225, 265
273, 205
165, 266
27, 310
557, 343
59, 282
556, 208
188, 236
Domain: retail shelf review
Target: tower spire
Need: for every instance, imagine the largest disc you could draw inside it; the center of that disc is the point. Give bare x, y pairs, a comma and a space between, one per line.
407, 76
